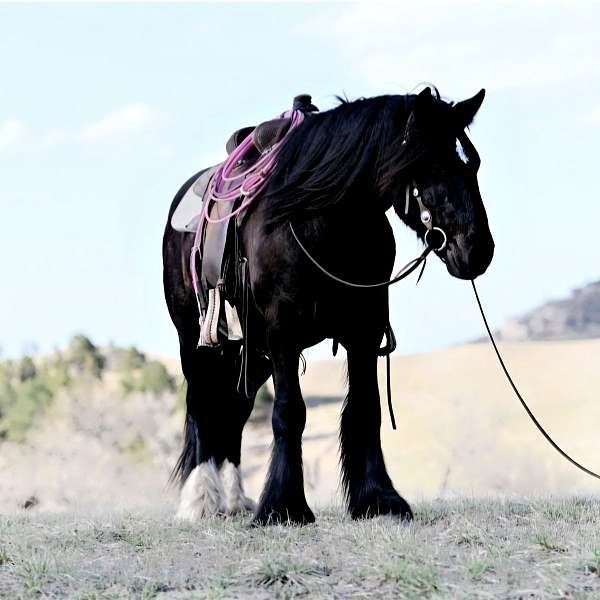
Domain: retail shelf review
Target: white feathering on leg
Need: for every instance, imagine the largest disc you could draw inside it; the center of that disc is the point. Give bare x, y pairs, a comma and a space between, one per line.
235, 499
201, 494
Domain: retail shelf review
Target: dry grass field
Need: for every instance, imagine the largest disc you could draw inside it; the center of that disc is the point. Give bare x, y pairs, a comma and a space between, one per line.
454, 549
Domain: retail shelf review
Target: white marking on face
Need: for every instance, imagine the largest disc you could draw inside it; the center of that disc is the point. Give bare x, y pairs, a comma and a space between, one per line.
461, 152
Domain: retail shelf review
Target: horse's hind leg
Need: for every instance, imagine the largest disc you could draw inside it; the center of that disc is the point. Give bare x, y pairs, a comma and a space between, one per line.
369, 490
197, 467
236, 410
283, 498
208, 467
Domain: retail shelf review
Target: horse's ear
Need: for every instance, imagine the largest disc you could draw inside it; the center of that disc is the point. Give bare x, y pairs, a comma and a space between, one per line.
424, 93
465, 111
424, 98
417, 119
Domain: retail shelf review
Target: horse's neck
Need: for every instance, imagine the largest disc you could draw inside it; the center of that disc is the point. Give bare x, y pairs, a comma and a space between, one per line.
366, 230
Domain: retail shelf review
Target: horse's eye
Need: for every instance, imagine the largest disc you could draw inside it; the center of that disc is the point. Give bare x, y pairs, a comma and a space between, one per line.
415, 192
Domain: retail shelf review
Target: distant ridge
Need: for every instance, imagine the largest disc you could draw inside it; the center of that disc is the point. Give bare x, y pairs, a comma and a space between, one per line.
572, 318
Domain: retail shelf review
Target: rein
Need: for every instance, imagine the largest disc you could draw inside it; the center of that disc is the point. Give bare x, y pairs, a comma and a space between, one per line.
409, 267
405, 271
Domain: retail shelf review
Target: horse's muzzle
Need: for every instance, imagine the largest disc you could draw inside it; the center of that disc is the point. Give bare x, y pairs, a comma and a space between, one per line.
468, 262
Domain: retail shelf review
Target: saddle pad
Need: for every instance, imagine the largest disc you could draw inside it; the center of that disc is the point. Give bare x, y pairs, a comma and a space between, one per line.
186, 215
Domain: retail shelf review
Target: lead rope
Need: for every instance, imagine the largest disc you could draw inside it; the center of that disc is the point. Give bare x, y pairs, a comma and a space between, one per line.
518, 394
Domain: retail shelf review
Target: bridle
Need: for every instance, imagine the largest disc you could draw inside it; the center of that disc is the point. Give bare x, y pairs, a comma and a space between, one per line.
412, 191
426, 218
425, 215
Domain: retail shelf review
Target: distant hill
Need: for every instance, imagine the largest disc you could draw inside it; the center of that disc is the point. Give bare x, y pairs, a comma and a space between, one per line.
98, 427
572, 318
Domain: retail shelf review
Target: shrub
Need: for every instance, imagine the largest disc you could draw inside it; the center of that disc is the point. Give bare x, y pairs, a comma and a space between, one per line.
155, 378
26, 369
263, 404
152, 378
30, 399
7, 395
128, 359
27, 388
84, 357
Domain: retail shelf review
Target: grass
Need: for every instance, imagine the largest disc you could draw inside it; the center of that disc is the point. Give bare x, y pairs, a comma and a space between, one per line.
540, 548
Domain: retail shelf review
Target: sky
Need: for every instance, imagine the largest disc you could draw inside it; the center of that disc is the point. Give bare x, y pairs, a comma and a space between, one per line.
105, 110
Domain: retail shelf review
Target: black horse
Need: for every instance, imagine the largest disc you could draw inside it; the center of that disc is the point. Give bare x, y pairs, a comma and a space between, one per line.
337, 175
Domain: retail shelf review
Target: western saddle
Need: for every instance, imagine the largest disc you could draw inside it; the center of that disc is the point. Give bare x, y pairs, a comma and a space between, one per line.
267, 134
221, 269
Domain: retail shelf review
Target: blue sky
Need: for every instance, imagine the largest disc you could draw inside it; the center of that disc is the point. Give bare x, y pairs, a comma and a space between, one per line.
106, 109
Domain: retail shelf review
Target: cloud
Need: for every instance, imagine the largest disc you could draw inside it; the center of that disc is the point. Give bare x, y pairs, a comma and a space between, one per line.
125, 121
13, 133
463, 44
593, 117
116, 126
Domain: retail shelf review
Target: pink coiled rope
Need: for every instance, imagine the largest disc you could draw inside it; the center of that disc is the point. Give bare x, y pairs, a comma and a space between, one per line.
247, 184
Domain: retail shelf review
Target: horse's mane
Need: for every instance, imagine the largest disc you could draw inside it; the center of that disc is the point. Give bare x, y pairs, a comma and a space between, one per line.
354, 146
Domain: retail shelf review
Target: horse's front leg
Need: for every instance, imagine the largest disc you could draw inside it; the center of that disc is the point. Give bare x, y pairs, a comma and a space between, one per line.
369, 490
283, 498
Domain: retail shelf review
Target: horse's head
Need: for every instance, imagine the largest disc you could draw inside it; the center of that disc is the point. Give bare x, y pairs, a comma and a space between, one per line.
442, 202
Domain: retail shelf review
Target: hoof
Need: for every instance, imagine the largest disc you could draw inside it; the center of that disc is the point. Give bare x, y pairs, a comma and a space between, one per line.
283, 515
381, 503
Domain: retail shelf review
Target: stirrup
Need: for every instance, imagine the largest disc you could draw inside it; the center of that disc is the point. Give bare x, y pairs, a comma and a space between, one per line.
209, 326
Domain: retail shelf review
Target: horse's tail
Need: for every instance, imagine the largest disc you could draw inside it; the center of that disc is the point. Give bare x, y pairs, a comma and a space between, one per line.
188, 458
